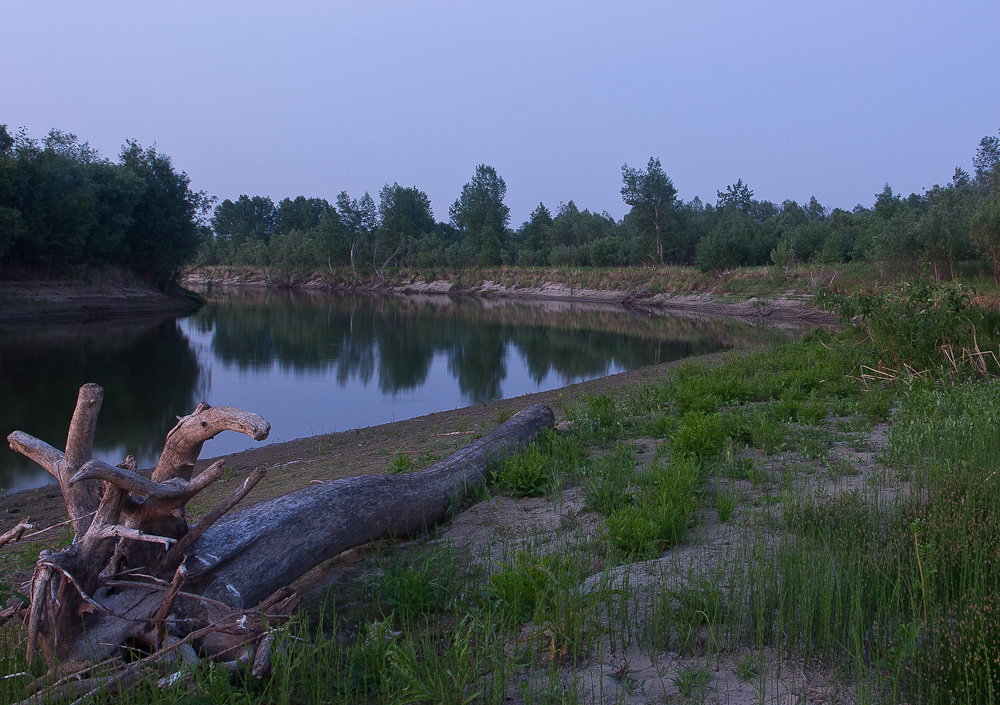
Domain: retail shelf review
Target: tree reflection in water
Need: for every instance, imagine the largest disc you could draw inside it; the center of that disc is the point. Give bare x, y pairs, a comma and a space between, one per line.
314, 362
148, 370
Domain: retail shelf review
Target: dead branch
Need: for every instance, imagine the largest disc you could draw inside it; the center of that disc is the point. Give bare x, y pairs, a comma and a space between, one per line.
251, 553
39, 451
15, 534
185, 440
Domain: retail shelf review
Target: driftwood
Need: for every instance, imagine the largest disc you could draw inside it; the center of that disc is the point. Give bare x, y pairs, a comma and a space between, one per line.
138, 577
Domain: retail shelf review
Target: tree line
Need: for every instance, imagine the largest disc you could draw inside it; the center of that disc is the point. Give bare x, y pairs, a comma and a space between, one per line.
945, 225
63, 207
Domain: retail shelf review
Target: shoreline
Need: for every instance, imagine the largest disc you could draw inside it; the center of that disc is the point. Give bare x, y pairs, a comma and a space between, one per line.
297, 463
783, 307
61, 301
29, 302
370, 449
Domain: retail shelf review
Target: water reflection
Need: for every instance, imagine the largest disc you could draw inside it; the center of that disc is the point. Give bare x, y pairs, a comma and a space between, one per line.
313, 362
394, 339
148, 370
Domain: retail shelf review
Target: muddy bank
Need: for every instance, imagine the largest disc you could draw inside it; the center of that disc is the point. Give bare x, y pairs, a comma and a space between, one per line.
782, 307
29, 302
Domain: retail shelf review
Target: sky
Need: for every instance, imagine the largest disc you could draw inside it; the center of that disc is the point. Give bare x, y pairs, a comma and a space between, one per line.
796, 98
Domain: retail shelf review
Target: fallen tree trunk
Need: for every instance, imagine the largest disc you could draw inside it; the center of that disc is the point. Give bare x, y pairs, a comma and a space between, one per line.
251, 553
138, 576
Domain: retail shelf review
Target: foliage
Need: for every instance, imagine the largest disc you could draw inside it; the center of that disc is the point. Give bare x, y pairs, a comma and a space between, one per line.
700, 436
64, 208
921, 324
401, 464
653, 199
417, 587
659, 513
526, 474
482, 215
691, 679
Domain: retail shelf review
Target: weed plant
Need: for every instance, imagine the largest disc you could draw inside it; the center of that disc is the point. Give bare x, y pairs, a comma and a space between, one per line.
525, 474
401, 464
922, 325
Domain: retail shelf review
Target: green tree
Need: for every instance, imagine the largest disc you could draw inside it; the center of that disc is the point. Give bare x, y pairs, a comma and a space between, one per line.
481, 213
738, 195
987, 163
165, 231
943, 232
12, 226
116, 192
52, 192
303, 214
404, 216
653, 198
815, 210
536, 237
248, 218
986, 232
735, 240
359, 219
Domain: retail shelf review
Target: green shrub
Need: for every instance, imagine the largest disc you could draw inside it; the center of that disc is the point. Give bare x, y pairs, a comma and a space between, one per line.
700, 435
921, 325
400, 465
525, 474
418, 587
661, 511
522, 587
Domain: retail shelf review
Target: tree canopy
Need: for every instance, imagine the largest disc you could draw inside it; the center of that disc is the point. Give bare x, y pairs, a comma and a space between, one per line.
653, 198
482, 215
64, 207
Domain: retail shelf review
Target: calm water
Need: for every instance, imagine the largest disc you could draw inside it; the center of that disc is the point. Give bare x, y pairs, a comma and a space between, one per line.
319, 362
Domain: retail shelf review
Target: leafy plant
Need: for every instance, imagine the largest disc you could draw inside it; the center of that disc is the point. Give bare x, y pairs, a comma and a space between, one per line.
401, 464
691, 679
700, 435
417, 587
749, 666
522, 586
526, 474
920, 325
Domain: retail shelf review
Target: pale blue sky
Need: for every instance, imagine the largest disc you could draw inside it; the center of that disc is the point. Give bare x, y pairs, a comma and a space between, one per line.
802, 98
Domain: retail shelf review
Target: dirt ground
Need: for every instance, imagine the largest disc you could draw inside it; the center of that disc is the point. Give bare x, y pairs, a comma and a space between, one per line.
29, 302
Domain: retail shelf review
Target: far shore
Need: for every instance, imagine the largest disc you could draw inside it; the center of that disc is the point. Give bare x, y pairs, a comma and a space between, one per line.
785, 306
30, 302
72, 301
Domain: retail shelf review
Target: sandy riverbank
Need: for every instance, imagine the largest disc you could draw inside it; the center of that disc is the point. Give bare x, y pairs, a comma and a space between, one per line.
781, 307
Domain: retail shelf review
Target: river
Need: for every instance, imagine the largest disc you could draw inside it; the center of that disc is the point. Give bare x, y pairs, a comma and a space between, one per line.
318, 362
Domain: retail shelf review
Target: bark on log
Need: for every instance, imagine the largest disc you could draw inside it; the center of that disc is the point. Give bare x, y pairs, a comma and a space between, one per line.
251, 553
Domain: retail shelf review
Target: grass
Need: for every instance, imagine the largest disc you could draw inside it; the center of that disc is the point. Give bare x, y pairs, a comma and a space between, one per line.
883, 572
